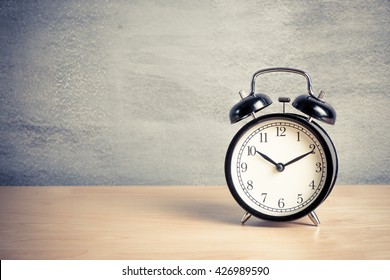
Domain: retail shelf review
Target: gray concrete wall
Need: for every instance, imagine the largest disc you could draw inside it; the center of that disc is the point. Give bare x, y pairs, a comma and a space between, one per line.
138, 92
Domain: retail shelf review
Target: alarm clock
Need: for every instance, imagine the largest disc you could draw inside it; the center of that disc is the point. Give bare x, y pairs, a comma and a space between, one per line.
281, 166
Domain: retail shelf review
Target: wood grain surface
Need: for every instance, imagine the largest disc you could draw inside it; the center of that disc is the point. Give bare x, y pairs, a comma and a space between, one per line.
185, 222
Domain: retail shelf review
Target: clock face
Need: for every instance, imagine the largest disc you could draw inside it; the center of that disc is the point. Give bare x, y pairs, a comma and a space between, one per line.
279, 167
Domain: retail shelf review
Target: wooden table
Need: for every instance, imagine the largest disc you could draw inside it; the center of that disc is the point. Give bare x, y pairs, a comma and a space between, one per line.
184, 222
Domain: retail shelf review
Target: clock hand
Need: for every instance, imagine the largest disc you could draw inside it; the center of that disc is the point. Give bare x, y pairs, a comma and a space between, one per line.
267, 158
298, 158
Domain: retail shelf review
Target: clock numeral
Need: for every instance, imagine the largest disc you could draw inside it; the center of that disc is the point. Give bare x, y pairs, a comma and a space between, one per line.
281, 203
244, 167
280, 131
264, 195
251, 150
298, 137
311, 185
319, 167
263, 137
250, 185
300, 199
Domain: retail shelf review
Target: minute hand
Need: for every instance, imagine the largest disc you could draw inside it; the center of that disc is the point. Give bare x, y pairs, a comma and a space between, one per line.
298, 158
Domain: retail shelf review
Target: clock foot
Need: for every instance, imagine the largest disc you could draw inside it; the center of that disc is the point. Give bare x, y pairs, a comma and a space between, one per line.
245, 217
314, 218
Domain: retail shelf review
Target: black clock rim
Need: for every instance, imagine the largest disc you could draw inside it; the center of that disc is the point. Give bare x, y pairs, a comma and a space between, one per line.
330, 155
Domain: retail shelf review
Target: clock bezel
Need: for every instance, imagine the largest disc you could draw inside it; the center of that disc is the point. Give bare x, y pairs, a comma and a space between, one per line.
330, 155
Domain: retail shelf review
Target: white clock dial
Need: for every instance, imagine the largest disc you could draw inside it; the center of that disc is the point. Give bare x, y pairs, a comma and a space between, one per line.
278, 167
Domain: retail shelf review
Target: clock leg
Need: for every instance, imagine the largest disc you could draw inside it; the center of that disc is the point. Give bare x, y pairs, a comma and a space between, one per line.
245, 217
314, 218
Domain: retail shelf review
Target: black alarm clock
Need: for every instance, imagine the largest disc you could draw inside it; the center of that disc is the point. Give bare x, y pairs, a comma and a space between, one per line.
281, 166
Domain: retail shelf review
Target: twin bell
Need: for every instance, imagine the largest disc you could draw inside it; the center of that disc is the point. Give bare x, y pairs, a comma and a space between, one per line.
308, 104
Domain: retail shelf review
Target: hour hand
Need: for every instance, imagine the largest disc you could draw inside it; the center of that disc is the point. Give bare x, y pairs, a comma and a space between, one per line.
267, 158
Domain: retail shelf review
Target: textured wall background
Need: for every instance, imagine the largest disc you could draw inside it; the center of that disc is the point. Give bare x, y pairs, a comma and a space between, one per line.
138, 92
